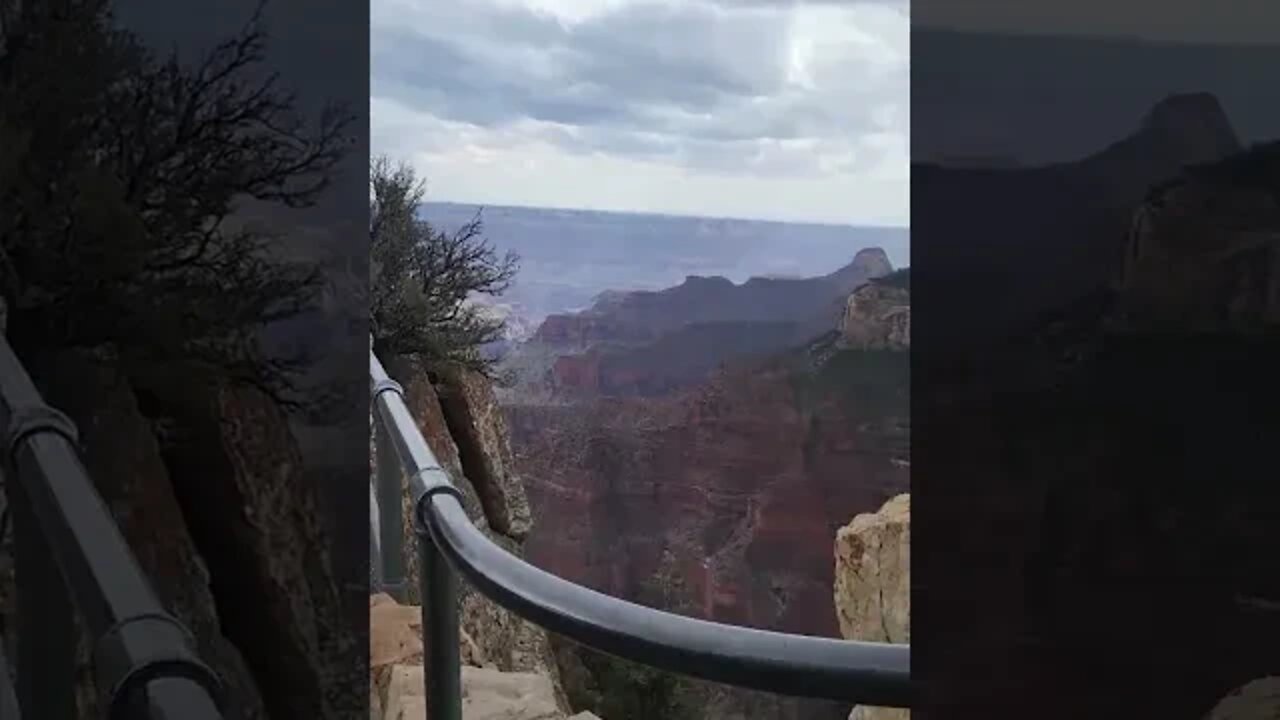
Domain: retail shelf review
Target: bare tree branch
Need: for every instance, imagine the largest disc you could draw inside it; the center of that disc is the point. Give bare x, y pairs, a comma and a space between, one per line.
424, 280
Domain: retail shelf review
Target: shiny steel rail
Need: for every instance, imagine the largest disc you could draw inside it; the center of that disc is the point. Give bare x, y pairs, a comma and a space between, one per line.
70, 555
857, 672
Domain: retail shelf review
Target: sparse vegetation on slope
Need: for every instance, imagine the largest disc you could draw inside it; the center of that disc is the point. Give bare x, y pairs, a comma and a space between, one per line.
423, 278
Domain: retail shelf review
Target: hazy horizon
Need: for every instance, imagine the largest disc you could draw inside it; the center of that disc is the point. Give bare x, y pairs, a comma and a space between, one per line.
569, 256
661, 214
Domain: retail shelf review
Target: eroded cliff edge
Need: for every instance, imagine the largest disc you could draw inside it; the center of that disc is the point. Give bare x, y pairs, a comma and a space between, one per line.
873, 583
459, 417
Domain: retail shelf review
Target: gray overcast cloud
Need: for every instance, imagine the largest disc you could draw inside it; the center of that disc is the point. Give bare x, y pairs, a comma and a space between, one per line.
748, 108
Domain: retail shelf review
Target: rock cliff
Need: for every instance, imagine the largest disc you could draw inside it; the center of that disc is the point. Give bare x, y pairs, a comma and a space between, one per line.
1004, 245
705, 470
1203, 252
1256, 700
653, 344
256, 517
397, 688
123, 456
461, 421
1104, 418
877, 316
743, 480
873, 583
208, 486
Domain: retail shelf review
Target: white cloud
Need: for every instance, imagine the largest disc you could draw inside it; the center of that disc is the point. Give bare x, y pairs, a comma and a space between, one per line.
752, 108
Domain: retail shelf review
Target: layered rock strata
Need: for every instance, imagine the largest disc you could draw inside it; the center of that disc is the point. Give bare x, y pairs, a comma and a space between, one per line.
873, 583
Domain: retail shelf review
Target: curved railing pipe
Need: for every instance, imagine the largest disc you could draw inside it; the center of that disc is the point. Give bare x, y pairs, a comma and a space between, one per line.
858, 672
70, 554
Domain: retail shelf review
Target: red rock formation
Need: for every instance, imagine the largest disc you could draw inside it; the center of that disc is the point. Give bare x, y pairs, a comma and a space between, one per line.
577, 373
743, 481
583, 329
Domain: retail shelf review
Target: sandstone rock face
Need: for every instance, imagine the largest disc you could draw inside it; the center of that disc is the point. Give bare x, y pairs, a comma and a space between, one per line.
877, 317
584, 329
873, 583
484, 449
255, 516
281, 548
1258, 700
459, 420
1203, 254
397, 675
120, 451
423, 402
873, 574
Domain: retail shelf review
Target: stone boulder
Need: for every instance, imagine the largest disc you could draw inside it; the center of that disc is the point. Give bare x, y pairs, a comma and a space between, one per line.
484, 448
1257, 700
873, 583
877, 316
397, 675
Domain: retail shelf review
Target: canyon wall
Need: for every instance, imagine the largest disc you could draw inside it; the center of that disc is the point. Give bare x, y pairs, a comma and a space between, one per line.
460, 419
207, 484
706, 471
742, 481
873, 584
1088, 492
737, 481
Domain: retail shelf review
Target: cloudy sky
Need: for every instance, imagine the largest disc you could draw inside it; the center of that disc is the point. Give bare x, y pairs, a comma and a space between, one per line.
778, 109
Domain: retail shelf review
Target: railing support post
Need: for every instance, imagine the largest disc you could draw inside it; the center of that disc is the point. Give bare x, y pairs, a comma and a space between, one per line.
439, 588
46, 658
391, 521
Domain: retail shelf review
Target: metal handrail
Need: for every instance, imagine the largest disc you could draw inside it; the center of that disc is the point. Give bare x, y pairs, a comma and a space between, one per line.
69, 553
859, 672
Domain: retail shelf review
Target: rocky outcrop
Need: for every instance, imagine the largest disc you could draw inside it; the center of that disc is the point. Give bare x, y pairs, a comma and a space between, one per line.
397, 688
1203, 254
256, 519
871, 263
460, 420
873, 583
1085, 513
650, 344
1006, 245
1257, 700
123, 458
206, 484
585, 329
873, 574
484, 450
877, 317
